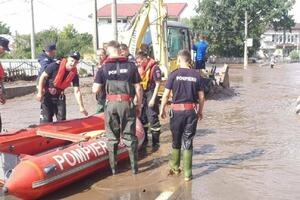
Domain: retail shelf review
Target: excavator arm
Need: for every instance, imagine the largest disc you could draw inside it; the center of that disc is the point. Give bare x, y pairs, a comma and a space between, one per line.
152, 16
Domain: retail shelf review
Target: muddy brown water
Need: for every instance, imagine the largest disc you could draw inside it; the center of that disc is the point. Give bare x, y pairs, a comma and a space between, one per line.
247, 147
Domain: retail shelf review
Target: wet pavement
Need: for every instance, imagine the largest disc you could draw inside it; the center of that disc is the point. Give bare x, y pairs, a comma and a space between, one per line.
245, 148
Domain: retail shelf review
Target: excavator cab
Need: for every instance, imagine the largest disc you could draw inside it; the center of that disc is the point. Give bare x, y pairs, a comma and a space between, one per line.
178, 38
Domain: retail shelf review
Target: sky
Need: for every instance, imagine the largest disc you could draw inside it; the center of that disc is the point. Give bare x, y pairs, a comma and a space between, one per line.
58, 13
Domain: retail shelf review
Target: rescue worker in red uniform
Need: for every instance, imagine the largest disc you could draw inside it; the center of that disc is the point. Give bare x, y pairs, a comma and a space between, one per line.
53, 81
3, 48
151, 78
121, 81
186, 109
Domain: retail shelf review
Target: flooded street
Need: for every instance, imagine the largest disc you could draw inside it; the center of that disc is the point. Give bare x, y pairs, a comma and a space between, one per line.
247, 146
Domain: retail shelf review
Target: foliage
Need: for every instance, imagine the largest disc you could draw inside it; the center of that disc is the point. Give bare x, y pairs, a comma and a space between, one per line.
294, 55
223, 22
4, 29
22, 49
66, 40
82, 72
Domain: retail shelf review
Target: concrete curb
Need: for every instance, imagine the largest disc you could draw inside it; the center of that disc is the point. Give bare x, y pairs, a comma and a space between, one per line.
12, 92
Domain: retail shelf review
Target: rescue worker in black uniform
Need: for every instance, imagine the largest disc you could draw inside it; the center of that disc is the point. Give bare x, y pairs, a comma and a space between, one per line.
101, 97
187, 106
52, 83
125, 52
47, 57
151, 78
121, 81
3, 48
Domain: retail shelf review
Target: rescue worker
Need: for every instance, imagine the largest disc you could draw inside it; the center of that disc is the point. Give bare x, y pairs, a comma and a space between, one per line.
53, 81
121, 81
187, 106
200, 48
3, 48
47, 57
125, 52
101, 97
151, 78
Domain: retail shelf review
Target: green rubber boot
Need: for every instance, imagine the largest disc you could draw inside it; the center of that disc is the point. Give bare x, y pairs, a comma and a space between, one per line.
133, 155
174, 162
112, 156
187, 164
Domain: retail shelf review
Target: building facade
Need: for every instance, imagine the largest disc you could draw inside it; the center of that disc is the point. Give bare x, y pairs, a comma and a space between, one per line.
125, 12
272, 42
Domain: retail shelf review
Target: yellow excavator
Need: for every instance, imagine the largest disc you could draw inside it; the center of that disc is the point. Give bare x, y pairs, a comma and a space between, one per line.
165, 38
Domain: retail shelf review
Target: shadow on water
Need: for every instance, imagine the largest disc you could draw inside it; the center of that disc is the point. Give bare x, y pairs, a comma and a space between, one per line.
204, 132
215, 164
205, 149
154, 163
220, 94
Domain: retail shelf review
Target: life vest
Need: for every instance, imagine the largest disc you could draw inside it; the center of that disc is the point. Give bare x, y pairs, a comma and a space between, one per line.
118, 87
147, 73
1, 72
115, 59
102, 61
58, 81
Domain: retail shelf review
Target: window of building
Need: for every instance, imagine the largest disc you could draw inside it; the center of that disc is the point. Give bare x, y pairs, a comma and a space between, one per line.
292, 39
280, 39
273, 38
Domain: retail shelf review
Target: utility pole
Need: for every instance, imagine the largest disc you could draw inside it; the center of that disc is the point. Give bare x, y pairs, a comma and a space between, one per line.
114, 19
245, 43
32, 31
95, 22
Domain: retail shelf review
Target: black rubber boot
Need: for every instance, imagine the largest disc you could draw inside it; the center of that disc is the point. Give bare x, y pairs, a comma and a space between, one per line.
155, 138
146, 136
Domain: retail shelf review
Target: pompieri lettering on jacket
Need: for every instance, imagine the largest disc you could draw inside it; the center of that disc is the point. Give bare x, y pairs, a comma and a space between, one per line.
186, 78
80, 154
122, 71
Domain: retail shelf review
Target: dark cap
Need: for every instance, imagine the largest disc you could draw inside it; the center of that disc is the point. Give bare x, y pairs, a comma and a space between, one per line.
4, 43
50, 47
75, 55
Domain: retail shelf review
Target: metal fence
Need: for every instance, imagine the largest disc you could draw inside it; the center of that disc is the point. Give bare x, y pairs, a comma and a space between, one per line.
26, 69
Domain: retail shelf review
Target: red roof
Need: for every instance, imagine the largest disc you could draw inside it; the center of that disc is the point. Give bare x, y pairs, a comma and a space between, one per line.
130, 9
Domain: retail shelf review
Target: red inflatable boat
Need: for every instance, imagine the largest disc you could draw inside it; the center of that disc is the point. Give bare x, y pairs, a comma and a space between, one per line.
39, 160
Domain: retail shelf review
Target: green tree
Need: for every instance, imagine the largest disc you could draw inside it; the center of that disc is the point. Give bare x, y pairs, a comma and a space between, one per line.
46, 37
66, 40
223, 22
4, 29
22, 49
70, 40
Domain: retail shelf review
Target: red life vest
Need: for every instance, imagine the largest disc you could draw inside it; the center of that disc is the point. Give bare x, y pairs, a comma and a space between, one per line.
58, 81
1, 72
103, 61
146, 73
115, 59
